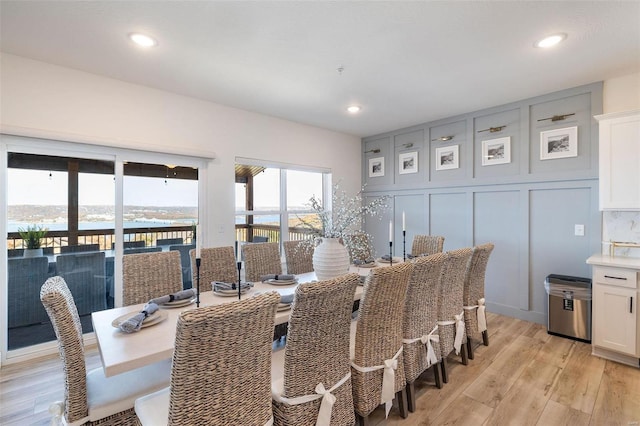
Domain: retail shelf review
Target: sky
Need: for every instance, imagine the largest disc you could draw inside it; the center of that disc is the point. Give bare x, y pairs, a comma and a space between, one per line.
41, 187
37, 187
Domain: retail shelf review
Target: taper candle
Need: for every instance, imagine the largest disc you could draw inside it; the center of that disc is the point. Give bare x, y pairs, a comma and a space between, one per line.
404, 228
198, 241
390, 230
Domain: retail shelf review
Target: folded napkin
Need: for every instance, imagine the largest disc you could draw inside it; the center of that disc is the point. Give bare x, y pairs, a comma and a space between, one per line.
277, 277
135, 322
286, 298
181, 295
363, 262
219, 285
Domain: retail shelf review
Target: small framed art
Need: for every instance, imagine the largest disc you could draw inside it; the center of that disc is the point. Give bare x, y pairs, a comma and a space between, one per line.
447, 157
408, 163
376, 167
496, 151
559, 143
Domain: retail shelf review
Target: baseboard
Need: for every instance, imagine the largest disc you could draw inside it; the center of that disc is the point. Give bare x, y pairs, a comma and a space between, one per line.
615, 356
510, 311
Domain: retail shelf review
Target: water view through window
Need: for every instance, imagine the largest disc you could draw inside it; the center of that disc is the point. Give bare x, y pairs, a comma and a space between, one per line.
72, 202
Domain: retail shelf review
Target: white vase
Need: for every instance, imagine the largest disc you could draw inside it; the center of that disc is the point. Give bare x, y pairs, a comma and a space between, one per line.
330, 259
32, 252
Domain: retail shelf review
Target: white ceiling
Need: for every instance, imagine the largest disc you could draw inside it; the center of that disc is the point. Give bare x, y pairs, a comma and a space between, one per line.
405, 63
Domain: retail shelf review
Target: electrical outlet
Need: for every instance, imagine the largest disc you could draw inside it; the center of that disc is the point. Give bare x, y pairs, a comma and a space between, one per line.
579, 230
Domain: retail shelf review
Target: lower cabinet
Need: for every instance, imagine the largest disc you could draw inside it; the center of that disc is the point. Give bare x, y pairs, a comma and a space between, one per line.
615, 312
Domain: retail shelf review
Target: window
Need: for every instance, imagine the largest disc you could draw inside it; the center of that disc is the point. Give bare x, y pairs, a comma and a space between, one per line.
74, 197
271, 201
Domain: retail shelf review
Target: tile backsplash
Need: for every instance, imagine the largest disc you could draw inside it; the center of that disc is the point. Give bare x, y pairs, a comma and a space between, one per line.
622, 227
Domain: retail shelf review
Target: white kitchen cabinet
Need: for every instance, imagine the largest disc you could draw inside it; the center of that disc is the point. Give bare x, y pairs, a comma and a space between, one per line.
615, 319
615, 332
619, 160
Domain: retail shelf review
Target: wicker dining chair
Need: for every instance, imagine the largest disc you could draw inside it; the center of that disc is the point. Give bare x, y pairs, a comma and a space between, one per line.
359, 246
425, 245
376, 341
149, 275
299, 257
221, 371
261, 259
316, 352
450, 306
420, 323
216, 264
475, 319
91, 398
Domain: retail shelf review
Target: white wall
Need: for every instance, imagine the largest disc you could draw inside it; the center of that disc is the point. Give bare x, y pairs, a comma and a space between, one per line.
44, 100
621, 93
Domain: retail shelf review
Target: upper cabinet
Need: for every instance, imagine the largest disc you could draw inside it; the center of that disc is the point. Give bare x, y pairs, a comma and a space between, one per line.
620, 161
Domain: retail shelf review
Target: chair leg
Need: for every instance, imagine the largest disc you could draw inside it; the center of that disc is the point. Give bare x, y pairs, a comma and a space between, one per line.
469, 348
485, 337
463, 352
362, 421
401, 397
411, 397
443, 366
437, 374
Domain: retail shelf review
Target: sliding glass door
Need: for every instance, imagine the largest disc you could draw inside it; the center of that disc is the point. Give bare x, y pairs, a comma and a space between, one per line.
74, 211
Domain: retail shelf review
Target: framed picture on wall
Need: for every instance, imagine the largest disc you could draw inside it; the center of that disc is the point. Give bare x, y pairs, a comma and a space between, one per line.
408, 163
559, 143
376, 167
447, 158
496, 151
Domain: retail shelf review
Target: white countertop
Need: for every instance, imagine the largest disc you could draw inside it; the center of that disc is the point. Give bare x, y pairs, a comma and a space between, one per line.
614, 261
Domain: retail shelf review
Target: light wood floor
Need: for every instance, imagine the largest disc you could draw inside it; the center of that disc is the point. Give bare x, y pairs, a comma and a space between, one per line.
524, 377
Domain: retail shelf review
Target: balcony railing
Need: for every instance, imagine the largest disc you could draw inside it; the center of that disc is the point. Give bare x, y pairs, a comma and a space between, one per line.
106, 237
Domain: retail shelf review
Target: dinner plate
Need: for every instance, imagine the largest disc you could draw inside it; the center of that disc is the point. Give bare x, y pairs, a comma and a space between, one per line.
395, 260
366, 265
281, 282
283, 307
230, 292
152, 319
177, 303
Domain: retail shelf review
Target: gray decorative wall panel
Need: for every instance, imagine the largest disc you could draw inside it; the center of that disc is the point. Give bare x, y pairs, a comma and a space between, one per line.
528, 207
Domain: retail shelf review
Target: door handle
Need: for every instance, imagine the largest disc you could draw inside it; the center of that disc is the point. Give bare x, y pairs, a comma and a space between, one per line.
615, 278
631, 305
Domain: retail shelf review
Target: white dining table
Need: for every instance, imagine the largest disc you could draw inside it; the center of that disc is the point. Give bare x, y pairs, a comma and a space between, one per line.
121, 352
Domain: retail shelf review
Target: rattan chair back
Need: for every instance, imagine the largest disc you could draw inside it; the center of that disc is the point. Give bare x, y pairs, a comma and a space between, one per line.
474, 284
359, 246
421, 313
149, 275
317, 351
221, 372
425, 245
454, 271
378, 334
216, 264
261, 259
59, 304
299, 257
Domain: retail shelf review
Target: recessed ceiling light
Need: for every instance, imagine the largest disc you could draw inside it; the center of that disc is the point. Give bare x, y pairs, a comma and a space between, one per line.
143, 40
551, 40
353, 109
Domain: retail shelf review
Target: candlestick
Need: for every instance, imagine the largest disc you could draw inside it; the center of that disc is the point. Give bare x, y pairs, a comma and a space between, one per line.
198, 241
239, 268
404, 228
404, 243
390, 253
197, 282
